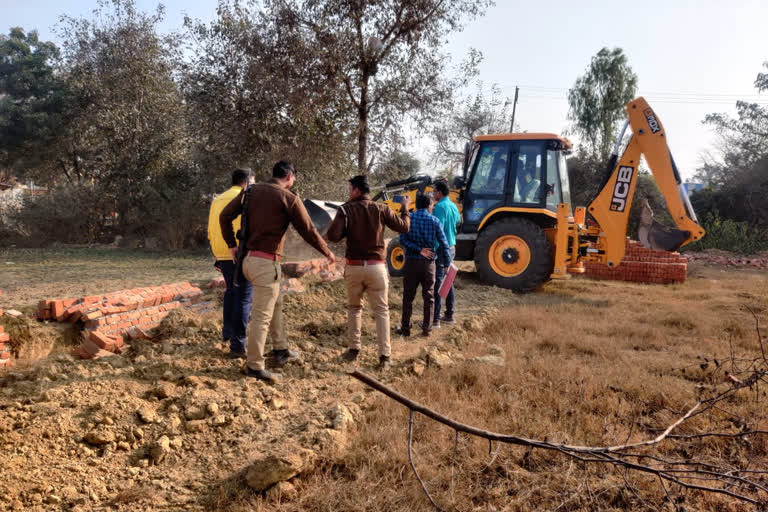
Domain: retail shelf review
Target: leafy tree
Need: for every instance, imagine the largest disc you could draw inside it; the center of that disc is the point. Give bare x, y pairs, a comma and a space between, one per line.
598, 98
256, 94
596, 105
738, 175
477, 113
397, 166
385, 55
32, 99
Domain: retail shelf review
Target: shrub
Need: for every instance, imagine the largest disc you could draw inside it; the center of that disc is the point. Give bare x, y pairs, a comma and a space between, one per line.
729, 235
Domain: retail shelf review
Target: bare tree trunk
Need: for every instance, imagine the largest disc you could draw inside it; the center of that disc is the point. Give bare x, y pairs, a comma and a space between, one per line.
362, 136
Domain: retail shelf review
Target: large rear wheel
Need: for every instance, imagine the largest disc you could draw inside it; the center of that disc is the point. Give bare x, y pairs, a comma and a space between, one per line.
395, 258
514, 253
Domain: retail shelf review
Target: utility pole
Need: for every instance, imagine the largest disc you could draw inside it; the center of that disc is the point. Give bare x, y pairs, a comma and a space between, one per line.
514, 108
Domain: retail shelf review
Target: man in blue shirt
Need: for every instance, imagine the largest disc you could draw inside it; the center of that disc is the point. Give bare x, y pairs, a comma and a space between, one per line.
424, 235
448, 214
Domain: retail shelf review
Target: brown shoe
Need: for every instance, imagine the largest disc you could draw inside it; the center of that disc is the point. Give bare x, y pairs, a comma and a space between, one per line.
350, 354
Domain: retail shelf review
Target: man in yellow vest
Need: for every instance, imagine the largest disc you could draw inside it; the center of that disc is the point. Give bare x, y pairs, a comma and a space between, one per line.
237, 299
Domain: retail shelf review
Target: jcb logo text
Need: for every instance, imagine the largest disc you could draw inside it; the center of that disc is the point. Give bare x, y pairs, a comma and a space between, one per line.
652, 122
621, 189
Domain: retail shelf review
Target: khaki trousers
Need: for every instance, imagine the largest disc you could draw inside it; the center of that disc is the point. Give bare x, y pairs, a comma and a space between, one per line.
266, 309
372, 280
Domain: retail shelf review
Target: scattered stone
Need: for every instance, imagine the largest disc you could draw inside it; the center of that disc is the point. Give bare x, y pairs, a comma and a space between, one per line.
100, 437
435, 358
332, 443
12, 312
418, 368
52, 499
192, 380
163, 390
490, 360
195, 425
69, 493
212, 408
282, 491
496, 350
124, 446
340, 416
194, 413
160, 450
177, 443
147, 414
219, 420
271, 469
276, 403
174, 422
138, 432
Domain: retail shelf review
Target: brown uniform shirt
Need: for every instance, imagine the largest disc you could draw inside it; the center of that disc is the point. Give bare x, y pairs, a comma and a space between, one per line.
363, 221
270, 209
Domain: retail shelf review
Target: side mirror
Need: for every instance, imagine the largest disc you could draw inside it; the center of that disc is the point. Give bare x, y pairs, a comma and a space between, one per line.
467, 150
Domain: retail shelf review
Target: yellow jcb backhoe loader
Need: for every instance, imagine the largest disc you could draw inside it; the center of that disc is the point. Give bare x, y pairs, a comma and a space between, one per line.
514, 197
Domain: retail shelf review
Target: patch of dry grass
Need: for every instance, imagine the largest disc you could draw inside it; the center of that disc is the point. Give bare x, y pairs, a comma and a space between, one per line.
597, 363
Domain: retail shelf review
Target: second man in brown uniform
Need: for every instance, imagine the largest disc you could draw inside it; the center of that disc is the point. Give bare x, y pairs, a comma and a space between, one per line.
271, 207
362, 221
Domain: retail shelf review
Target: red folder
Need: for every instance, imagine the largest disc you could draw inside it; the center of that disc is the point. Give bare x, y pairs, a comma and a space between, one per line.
450, 275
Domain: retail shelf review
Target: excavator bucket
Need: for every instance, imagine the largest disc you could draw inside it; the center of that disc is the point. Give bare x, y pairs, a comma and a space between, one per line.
321, 212
657, 236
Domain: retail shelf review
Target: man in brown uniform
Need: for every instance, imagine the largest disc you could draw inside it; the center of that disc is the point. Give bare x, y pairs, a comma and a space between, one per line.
271, 207
363, 222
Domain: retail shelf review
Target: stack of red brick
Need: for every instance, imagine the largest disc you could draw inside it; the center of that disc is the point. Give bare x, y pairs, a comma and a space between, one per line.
5, 349
109, 319
643, 265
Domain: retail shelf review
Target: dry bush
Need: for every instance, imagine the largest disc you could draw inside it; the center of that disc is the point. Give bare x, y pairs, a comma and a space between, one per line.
586, 363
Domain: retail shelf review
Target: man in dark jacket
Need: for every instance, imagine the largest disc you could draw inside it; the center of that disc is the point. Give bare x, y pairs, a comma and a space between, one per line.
362, 222
272, 206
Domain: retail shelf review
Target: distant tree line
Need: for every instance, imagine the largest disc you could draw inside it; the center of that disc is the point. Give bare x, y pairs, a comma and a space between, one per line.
134, 130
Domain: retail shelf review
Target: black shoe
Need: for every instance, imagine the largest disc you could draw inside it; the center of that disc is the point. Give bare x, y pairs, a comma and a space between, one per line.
402, 332
264, 375
233, 354
281, 357
448, 320
384, 363
435, 324
350, 354
426, 334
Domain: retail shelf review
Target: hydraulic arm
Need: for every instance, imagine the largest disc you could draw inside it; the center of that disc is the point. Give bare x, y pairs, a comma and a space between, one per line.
605, 242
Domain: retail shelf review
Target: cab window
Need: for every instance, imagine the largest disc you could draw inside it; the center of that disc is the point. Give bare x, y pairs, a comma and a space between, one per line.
553, 180
528, 174
491, 172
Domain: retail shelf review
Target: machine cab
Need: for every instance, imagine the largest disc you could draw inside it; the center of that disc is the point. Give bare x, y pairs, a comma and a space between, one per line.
521, 172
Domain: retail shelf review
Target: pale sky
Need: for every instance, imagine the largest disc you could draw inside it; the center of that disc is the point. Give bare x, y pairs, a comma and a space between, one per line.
692, 57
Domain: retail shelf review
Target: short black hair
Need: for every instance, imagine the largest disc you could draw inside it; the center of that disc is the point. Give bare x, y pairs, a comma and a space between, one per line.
423, 201
240, 175
282, 169
442, 187
360, 182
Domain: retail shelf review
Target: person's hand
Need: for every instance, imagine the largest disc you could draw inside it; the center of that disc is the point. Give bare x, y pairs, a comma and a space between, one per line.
406, 202
233, 253
332, 258
427, 253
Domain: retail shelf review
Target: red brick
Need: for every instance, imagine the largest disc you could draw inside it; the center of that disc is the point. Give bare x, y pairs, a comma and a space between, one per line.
5, 337
101, 340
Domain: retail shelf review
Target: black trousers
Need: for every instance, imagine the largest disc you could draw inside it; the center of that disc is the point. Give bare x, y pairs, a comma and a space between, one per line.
418, 272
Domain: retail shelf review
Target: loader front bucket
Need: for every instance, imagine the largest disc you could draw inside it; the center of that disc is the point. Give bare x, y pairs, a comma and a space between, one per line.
657, 236
321, 212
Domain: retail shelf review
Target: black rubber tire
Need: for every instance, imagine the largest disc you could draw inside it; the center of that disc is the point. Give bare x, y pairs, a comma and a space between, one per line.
394, 244
542, 258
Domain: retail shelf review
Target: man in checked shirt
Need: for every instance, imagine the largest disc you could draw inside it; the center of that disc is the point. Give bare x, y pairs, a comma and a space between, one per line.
425, 234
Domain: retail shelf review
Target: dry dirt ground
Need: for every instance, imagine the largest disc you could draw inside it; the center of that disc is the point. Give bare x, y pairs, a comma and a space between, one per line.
173, 425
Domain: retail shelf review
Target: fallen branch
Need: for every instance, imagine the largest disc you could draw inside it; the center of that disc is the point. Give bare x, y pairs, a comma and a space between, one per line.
681, 473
